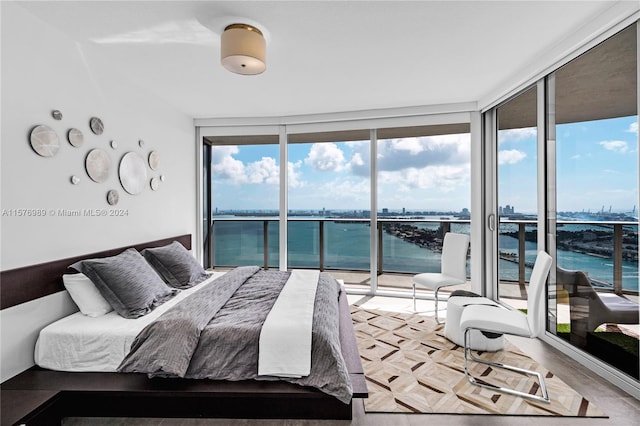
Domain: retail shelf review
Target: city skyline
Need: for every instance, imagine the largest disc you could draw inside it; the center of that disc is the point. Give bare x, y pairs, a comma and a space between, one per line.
597, 168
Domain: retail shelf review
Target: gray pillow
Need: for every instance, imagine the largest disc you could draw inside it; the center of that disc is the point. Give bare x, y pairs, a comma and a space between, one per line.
127, 282
176, 265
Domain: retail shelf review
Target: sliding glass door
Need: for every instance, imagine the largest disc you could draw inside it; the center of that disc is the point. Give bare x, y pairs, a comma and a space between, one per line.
564, 158
423, 192
593, 201
517, 207
329, 204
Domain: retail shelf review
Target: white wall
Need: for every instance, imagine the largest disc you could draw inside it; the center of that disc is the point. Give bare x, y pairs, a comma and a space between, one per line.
43, 70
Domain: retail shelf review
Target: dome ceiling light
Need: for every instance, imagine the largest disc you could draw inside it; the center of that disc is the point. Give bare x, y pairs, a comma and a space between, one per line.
243, 49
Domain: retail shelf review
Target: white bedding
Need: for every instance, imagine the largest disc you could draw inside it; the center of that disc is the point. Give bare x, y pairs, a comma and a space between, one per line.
285, 338
82, 343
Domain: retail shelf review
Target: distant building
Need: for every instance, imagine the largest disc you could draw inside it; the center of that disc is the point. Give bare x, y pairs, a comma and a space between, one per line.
506, 210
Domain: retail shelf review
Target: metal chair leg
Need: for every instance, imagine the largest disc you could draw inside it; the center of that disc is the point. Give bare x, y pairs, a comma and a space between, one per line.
414, 297
436, 300
543, 389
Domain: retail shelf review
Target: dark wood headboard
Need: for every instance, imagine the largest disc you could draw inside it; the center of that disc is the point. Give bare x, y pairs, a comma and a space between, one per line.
32, 282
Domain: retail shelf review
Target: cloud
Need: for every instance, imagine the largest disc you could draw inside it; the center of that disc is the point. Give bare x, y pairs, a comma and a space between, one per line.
224, 166
352, 190
294, 175
263, 171
356, 160
576, 157
510, 156
615, 146
633, 128
446, 178
414, 153
325, 157
517, 134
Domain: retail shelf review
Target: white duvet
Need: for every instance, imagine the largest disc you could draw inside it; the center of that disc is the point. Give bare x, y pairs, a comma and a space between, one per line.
82, 343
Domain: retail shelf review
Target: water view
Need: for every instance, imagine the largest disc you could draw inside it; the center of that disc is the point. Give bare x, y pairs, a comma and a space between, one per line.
406, 247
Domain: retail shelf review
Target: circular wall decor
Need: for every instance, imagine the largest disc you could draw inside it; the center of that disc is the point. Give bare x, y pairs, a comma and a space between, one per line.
113, 197
57, 115
155, 183
113, 144
133, 173
141, 143
74, 180
76, 138
154, 160
44, 141
96, 125
98, 165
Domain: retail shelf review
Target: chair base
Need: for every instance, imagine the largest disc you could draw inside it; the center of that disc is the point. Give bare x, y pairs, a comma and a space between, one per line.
435, 298
467, 350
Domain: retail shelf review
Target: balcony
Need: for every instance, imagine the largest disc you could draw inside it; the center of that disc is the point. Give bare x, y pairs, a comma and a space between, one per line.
410, 246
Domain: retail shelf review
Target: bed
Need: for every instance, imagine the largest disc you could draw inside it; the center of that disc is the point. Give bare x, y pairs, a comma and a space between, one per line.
84, 353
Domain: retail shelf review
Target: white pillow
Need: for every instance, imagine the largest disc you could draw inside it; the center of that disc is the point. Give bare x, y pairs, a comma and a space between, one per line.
86, 295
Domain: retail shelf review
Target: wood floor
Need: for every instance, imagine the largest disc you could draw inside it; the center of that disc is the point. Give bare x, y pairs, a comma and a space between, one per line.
621, 408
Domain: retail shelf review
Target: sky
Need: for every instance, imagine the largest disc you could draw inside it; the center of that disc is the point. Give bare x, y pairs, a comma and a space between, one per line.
597, 165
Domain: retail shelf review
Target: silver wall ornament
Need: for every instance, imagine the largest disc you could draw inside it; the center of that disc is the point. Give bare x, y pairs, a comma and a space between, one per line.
44, 141
74, 180
57, 115
155, 183
76, 138
98, 165
113, 197
133, 173
141, 143
154, 160
96, 125
114, 144
162, 178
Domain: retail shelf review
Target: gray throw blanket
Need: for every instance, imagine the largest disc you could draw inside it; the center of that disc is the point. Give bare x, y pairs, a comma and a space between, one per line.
215, 333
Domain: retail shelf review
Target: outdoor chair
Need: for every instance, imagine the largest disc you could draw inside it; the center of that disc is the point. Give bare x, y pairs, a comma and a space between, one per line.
589, 308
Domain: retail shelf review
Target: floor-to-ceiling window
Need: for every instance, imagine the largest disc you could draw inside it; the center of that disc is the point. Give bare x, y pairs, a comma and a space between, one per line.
593, 201
329, 204
423, 181
242, 182
562, 157
517, 162
423, 184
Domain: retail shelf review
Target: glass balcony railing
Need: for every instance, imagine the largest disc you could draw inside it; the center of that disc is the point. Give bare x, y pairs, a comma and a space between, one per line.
607, 251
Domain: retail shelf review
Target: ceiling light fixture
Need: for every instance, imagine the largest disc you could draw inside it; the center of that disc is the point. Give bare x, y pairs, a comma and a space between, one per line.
243, 49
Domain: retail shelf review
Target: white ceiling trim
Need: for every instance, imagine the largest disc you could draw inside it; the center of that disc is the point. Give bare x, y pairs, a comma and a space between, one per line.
350, 116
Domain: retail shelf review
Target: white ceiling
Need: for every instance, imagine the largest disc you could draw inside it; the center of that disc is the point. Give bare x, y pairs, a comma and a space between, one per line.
322, 56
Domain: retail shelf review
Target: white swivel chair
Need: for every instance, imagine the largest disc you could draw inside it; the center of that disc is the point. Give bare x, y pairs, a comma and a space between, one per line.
496, 319
453, 267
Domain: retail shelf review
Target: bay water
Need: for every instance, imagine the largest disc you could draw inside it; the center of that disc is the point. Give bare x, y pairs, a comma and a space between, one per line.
346, 246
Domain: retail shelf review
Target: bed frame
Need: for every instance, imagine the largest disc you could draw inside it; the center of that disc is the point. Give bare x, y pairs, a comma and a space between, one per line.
39, 396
